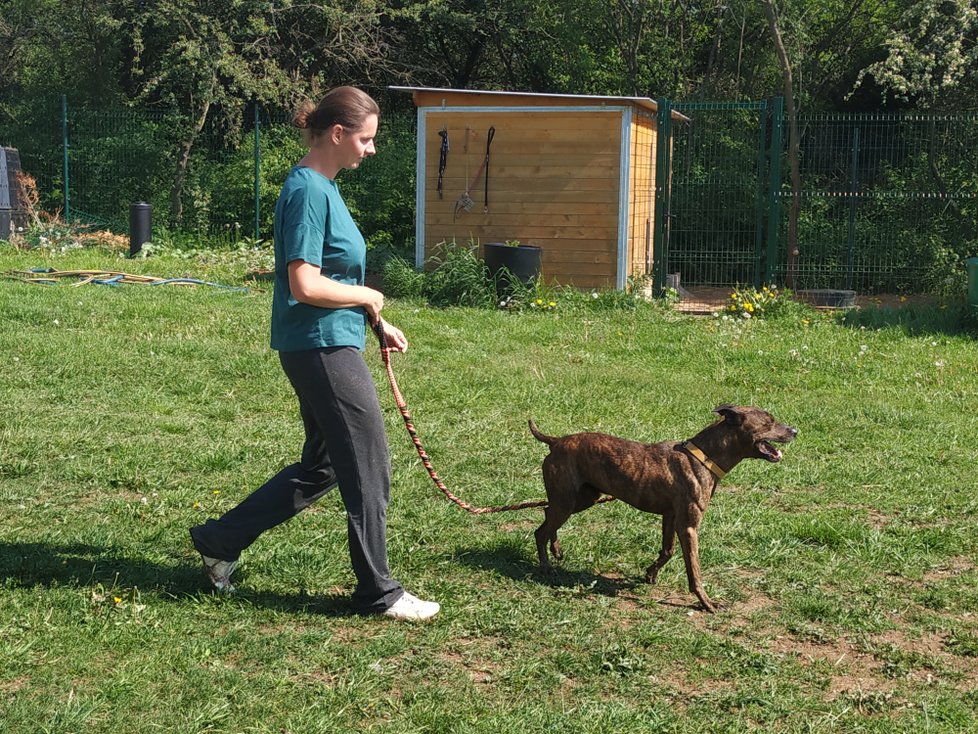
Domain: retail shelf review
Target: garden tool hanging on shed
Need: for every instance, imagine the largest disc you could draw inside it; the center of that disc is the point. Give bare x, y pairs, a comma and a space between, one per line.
465, 202
442, 160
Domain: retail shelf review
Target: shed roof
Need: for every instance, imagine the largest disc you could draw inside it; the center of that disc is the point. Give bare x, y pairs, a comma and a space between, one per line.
478, 96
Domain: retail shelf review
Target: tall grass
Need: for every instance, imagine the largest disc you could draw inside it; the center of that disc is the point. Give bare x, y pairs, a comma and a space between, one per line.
847, 572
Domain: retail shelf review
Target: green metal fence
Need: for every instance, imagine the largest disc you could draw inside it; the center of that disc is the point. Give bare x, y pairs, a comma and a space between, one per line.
91, 165
888, 203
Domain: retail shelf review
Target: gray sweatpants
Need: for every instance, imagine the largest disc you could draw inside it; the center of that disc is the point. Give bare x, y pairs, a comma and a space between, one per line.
346, 444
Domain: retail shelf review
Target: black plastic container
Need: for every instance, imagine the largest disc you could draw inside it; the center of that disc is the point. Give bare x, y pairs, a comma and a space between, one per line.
140, 226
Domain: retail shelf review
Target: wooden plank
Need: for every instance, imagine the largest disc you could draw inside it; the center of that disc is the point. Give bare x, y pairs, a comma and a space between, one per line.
603, 196
577, 156
548, 207
498, 216
478, 123
571, 147
454, 186
497, 232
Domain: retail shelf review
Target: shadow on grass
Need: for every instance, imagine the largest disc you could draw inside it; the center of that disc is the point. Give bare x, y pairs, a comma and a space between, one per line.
513, 563
81, 565
918, 319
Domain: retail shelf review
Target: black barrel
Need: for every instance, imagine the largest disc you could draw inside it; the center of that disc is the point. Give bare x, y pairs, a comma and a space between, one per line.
140, 226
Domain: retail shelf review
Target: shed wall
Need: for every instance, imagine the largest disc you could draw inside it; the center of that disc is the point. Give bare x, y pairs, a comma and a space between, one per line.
554, 180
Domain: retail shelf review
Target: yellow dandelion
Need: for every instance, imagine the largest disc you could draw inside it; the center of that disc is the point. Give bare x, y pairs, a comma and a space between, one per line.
117, 599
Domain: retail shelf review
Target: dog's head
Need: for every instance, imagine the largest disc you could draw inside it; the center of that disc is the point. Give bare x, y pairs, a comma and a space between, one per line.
755, 431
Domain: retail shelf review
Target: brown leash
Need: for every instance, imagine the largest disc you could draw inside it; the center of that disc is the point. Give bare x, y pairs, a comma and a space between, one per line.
385, 354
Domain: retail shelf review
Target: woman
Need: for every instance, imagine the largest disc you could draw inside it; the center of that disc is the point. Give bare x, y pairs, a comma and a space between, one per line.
320, 314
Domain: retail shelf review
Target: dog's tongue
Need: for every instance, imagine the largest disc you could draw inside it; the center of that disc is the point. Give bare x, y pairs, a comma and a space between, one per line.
768, 450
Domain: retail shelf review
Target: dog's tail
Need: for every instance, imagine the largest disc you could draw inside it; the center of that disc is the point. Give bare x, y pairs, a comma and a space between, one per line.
549, 440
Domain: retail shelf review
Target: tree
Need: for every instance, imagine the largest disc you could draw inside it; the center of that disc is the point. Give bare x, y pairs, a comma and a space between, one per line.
211, 59
794, 143
932, 55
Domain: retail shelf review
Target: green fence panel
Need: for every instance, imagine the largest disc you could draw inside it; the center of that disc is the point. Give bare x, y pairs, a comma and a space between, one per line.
888, 202
718, 207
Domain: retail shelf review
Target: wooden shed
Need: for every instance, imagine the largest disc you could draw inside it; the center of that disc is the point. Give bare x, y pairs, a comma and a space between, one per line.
572, 174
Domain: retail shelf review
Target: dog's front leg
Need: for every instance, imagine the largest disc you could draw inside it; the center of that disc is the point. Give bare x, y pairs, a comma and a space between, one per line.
668, 546
689, 540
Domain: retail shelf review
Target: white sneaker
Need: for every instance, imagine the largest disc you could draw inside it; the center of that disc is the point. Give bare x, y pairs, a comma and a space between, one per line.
411, 608
219, 573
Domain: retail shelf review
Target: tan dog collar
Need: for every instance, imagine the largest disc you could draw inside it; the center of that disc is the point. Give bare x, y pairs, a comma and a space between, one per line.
705, 460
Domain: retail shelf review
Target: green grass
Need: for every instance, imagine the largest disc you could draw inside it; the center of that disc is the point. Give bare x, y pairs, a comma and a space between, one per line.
847, 572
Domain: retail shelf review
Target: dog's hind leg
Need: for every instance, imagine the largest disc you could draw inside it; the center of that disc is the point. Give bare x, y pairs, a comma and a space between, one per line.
547, 533
668, 546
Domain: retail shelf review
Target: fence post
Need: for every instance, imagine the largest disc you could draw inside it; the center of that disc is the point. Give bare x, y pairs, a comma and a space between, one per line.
257, 169
64, 147
760, 275
851, 224
663, 164
774, 185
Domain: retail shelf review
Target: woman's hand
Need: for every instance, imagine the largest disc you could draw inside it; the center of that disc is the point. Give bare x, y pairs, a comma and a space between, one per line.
396, 341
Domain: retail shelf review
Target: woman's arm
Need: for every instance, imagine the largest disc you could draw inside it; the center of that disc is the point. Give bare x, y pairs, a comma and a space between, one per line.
309, 285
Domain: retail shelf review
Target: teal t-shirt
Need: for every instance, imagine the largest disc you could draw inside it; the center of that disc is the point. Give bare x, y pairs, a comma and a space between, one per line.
312, 224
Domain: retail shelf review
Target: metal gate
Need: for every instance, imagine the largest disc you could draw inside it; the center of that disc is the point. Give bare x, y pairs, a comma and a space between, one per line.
717, 178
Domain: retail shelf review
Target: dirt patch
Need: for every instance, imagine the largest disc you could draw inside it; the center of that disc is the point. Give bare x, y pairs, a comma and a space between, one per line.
476, 658
703, 300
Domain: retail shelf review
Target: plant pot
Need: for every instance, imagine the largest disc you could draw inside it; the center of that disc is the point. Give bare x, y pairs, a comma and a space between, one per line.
509, 264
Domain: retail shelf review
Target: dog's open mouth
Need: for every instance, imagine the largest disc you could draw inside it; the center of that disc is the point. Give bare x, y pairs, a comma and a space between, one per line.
769, 451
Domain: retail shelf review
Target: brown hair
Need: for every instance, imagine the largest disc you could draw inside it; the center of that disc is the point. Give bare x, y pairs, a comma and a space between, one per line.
346, 106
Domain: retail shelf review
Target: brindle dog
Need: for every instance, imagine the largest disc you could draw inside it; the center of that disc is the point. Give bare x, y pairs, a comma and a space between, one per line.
675, 479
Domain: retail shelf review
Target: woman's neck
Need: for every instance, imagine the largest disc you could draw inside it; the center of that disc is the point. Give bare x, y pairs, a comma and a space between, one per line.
320, 161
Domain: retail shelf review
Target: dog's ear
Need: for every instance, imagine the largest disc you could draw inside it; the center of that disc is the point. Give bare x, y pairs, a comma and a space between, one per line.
730, 414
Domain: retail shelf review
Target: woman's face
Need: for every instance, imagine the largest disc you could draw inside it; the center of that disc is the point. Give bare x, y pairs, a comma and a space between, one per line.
355, 145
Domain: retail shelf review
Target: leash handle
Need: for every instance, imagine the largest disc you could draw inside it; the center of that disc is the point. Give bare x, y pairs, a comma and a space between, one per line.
485, 163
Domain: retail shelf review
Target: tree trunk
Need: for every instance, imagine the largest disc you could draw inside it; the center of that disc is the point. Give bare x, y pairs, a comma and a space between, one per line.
794, 145
183, 160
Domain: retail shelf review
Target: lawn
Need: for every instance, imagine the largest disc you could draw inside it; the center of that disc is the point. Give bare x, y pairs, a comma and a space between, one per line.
847, 573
